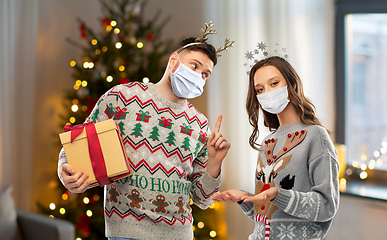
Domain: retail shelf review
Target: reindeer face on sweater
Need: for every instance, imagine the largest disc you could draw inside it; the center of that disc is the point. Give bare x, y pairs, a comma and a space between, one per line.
266, 174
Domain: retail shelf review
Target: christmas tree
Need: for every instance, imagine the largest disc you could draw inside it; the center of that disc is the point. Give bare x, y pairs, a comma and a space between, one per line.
186, 144
126, 48
137, 130
171, 138
155, 134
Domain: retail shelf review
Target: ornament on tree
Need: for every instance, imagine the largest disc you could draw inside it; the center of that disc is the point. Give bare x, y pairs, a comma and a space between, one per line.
123, 81
106, 21
90, 104
82, 28
150, 37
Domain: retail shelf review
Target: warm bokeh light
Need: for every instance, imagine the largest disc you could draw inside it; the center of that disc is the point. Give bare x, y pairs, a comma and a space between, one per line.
109, 28
74, 108
97, 51
140, 45
145, 80
52, 206
84, 108
96, 197
109, 78
62, 211
117, 30
343, 181
212, 233
363, 167
86, 200
89, 213
72, 120
200, 225
73, 63
75, 101
113, 23
121, 68
103, 74
104, 49
78, 82
84, 83
65, 196
363, 175
76, 87
94, 41
118, 45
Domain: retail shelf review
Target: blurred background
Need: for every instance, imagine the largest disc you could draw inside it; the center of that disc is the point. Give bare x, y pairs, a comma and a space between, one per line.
338, 47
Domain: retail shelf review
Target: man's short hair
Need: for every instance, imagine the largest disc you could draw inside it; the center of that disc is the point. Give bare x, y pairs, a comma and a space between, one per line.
205, 48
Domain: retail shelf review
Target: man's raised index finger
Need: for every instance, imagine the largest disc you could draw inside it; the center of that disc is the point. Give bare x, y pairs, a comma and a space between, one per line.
218, 123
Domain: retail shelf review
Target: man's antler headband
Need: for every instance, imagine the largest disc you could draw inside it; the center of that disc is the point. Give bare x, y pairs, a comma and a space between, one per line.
227, 43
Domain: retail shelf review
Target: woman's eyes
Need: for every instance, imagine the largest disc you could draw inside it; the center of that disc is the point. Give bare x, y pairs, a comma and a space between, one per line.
274, 83
259, 90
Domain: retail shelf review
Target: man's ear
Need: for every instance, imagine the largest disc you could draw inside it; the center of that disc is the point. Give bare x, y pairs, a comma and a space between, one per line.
172, 60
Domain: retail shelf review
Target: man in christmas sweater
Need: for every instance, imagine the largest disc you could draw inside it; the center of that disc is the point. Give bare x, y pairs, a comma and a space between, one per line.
172, 153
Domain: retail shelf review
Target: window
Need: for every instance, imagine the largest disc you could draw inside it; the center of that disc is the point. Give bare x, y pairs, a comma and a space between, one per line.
366, 90
361, 85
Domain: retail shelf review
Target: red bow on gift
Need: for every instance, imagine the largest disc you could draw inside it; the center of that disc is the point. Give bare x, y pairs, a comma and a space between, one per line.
166, 120
95, 151
76, 130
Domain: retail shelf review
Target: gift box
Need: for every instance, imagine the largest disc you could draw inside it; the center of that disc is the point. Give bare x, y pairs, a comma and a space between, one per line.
97, 150
165, 123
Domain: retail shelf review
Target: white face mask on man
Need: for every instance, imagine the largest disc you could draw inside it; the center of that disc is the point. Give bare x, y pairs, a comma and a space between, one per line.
186, 83
274, 101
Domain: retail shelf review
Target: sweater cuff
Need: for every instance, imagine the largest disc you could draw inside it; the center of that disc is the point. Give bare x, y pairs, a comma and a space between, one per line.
209, 182
282, 199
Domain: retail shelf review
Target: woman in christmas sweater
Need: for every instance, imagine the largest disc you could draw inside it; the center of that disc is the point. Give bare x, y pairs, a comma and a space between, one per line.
296, 193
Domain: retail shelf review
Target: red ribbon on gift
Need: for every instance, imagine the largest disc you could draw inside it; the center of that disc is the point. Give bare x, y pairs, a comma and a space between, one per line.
95, 151
167, 120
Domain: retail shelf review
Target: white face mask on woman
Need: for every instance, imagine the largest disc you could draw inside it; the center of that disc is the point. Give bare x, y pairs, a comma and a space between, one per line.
186, 83
274, 101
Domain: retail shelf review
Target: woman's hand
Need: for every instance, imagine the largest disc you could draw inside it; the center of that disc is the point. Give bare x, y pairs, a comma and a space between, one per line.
229, 196
262, 197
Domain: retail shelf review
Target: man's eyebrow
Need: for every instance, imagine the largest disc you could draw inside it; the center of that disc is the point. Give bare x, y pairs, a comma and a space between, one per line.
201, 64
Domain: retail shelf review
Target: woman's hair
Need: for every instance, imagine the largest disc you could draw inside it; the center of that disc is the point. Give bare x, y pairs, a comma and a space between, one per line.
304, 107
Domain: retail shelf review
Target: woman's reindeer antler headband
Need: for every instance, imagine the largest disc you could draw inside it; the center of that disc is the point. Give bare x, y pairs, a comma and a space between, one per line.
209, 30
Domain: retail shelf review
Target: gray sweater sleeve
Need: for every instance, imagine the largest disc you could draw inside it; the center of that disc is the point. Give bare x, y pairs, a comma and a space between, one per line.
248, 207
321, 203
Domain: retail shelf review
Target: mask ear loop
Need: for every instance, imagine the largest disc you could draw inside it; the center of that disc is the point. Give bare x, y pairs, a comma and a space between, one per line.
178, 58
